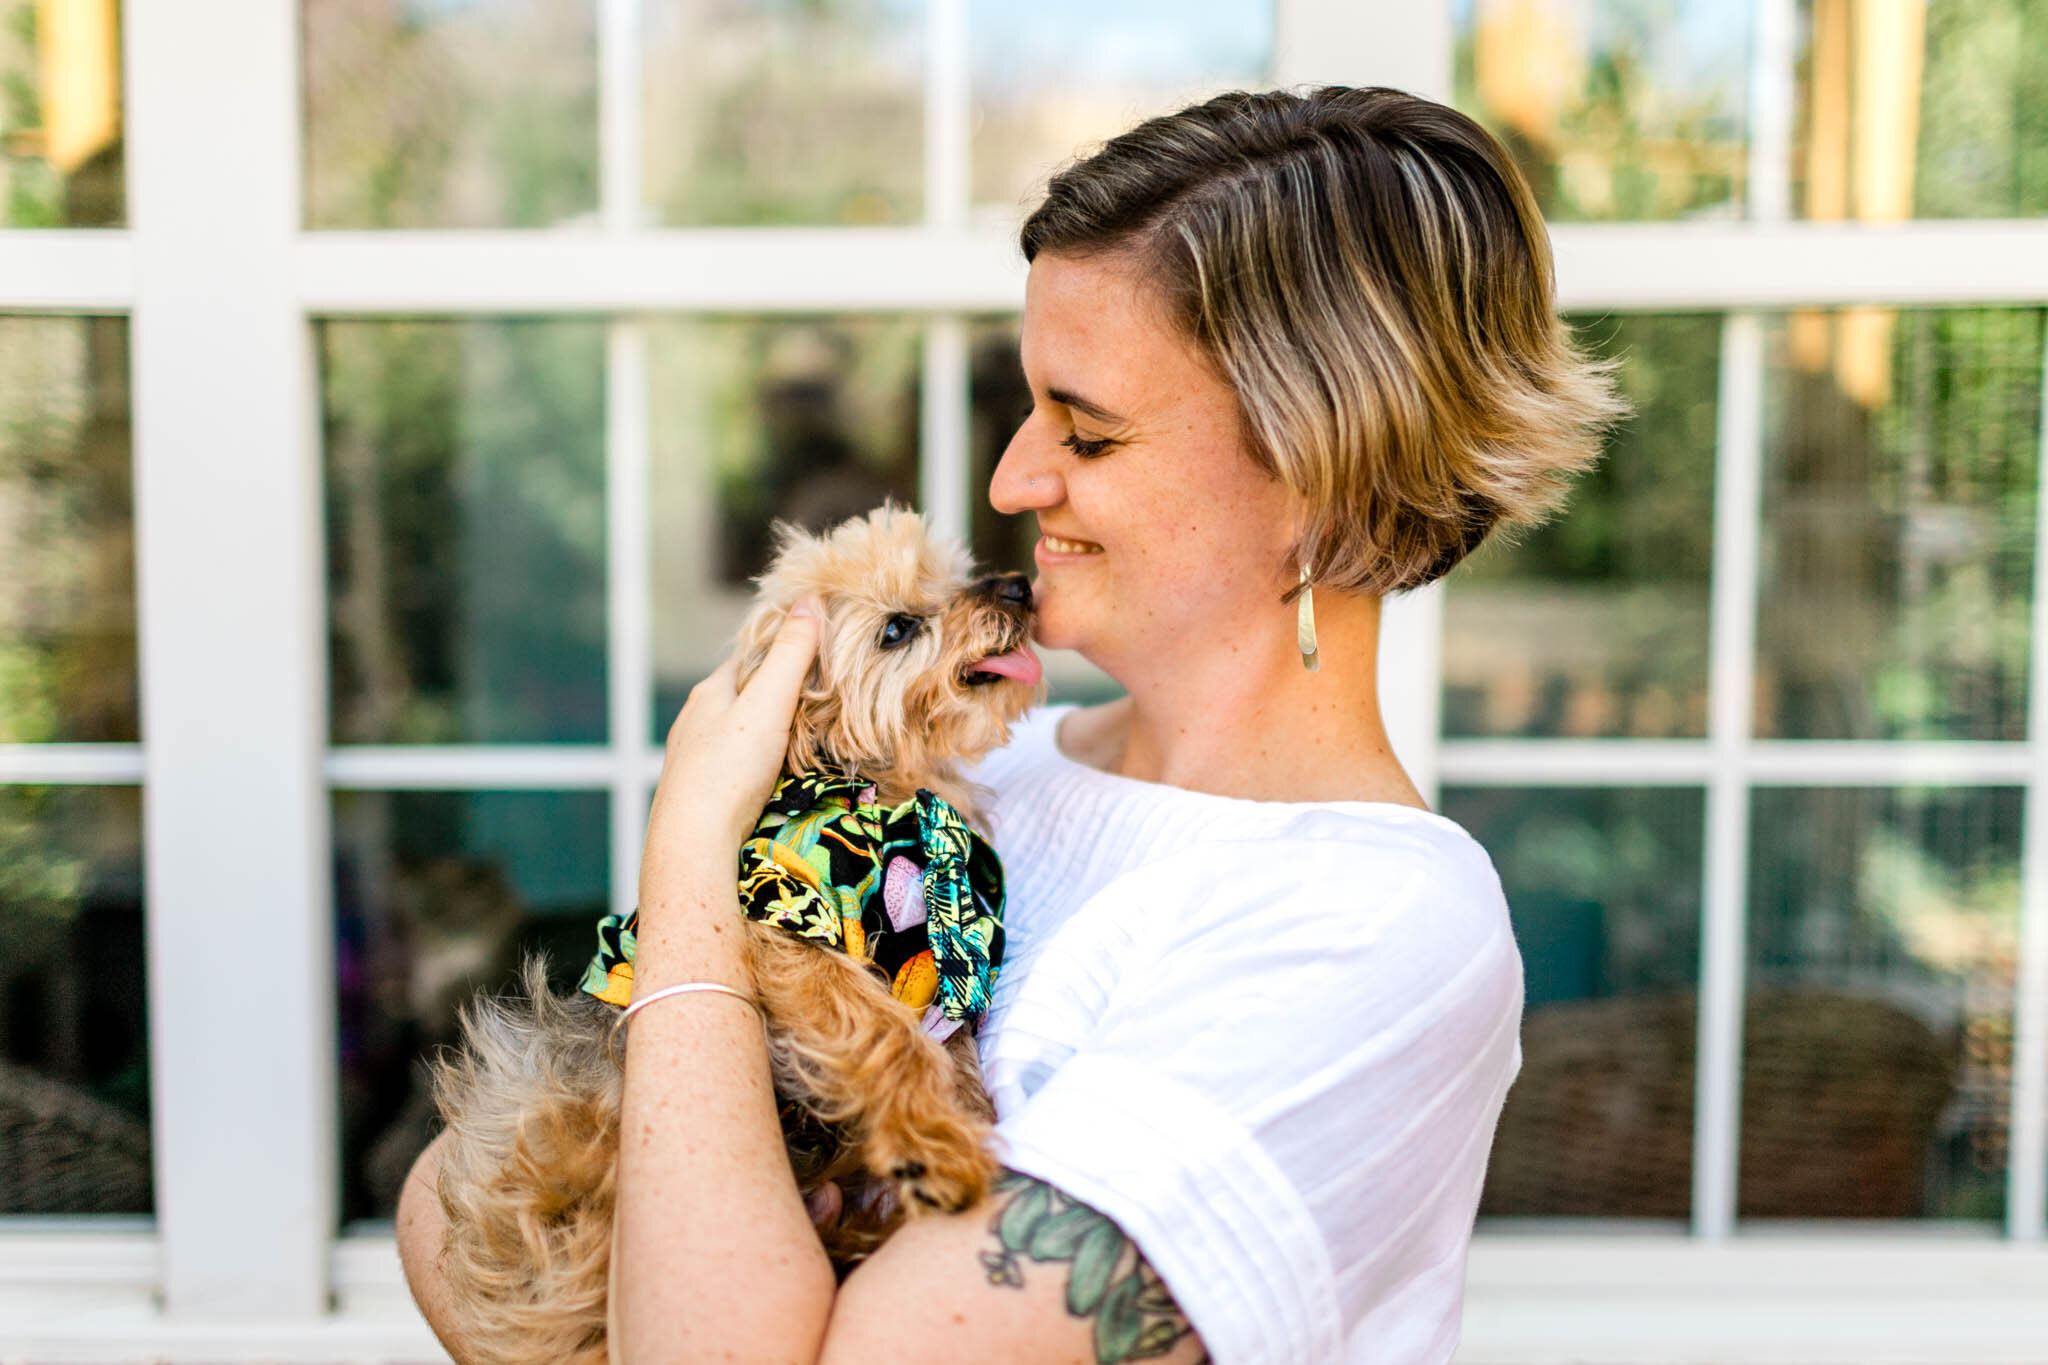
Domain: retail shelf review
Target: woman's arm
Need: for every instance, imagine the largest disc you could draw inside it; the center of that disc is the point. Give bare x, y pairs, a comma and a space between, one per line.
715, 1257
421, 1227
1029, 1276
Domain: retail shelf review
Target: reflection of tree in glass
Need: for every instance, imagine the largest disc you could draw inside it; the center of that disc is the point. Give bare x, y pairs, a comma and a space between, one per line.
798, 111
475, 115
1604, 885
1000, 400
1983, 145
67, 603
78, 181
820, 424
465, 478
1897, 557
74, 1067
1909, 897
1596, 622
1641, 118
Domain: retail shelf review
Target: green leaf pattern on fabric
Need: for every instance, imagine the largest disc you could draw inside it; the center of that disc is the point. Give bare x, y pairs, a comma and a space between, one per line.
815, 866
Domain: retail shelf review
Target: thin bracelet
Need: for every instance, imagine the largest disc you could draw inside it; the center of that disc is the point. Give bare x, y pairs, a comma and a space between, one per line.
684, 989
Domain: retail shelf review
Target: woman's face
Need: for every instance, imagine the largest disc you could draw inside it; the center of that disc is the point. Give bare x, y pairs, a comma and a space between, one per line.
1157, 533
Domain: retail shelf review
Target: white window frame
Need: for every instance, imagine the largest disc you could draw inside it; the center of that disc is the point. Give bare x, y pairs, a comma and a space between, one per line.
221, 284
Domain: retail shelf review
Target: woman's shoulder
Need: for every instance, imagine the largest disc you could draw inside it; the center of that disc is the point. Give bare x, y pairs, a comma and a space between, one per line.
1360, 862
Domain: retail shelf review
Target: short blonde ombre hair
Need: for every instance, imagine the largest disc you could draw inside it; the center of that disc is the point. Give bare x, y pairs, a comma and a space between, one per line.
1369, 273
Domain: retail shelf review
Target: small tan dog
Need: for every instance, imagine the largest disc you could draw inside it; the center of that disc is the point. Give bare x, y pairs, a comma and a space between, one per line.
920, 669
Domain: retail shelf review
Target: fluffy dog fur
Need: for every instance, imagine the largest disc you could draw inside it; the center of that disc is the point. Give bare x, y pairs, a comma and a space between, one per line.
531, 1099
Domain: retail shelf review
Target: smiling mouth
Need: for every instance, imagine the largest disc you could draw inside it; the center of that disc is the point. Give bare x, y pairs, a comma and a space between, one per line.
1060, 545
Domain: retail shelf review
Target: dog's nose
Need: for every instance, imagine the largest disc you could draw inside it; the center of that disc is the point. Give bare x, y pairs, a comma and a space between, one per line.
1011, 588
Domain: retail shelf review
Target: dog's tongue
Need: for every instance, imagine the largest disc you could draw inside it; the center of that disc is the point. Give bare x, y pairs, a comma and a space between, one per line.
1020, 664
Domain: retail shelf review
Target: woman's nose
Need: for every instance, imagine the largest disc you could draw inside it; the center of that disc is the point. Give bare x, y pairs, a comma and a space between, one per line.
1025, 478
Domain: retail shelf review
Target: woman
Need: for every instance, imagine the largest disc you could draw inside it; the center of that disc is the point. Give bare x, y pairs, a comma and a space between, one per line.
1261, 1006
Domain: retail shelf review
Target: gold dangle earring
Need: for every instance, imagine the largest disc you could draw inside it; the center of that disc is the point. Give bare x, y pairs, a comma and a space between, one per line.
1305, 625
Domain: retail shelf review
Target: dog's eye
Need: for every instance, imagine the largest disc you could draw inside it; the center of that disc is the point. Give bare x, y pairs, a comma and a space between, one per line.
899, 630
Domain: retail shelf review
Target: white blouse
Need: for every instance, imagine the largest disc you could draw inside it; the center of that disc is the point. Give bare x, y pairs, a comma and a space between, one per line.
1269, 1039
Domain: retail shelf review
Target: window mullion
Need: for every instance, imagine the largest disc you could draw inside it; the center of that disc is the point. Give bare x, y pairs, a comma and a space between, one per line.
620, 206
1738, 483
629, 600
948, 111
1406, 46
943, 477
232, 655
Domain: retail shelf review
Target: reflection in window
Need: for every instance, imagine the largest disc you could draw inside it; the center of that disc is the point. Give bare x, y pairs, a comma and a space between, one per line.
438, 895
430, 114
753, 420
74, 1054
1877, 1046
999, 401
60, 114
1604, 888
67, 533
1898, 523
465, 530
784, 114
1050, 78
1614, 109
1595, 624
1922, 110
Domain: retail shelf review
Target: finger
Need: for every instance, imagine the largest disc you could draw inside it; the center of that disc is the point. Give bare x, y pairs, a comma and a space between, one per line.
721, 681
772, 692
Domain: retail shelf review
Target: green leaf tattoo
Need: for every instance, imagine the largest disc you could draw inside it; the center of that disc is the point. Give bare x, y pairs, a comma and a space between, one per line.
1107, 1279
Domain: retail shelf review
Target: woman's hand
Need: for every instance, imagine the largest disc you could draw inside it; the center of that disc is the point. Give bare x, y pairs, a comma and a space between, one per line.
725, 748
723, 756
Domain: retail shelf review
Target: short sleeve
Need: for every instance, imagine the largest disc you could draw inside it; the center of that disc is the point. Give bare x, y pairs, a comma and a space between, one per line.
1288, 1087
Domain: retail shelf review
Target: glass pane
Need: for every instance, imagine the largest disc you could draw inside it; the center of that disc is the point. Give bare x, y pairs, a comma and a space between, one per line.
808, 420
450, 113
784, 113
1898, 523
1877, 1048
60, 114
74, 1039
1614, 109
1049, 79
1604, 888
438, 895
465, 530
998, 402
1922, 110
67, 533
1595, 625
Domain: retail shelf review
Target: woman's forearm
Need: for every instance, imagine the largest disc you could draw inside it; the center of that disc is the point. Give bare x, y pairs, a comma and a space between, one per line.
716, 1258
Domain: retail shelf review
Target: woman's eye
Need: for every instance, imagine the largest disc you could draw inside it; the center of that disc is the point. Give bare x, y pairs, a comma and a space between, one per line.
1087, 450
897, 630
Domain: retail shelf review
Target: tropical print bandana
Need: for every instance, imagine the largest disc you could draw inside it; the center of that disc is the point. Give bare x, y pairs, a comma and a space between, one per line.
909, 890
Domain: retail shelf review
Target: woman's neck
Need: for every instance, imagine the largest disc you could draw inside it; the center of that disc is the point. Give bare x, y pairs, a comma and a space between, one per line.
1250, 721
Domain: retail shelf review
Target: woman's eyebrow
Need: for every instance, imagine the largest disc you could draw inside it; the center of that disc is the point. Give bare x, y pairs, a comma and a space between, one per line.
1082, 405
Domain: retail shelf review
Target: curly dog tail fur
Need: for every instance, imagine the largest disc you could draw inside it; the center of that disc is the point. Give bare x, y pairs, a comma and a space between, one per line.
527, 1175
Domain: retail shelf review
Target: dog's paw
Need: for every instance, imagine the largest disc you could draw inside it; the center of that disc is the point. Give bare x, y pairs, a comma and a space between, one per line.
933, 1177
